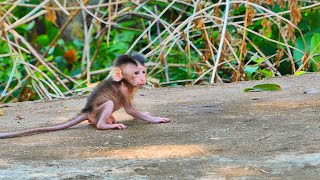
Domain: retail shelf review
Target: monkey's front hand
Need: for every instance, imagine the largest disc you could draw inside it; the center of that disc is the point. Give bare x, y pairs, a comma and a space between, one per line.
158, 120
105, 126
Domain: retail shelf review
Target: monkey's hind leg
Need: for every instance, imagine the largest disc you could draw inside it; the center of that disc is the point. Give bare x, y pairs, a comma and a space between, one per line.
106, 110
111, 120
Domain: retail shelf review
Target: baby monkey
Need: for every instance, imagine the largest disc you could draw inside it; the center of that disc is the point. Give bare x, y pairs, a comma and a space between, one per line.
129, 73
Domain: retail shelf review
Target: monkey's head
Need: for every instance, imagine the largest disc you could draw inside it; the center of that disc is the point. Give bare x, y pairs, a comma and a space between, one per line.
130, 69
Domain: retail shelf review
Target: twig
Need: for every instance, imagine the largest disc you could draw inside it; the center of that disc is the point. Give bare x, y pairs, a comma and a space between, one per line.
267, 62
21, 20
223, 33
61, 7
146, 30
34, 52
162, 53
86, 48
16, 45
8, 12
62, 29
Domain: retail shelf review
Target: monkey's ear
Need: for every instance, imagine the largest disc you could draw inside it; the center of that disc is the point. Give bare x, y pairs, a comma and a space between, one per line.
117, 75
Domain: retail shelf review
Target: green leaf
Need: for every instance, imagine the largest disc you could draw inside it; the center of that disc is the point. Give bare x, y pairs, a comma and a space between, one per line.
315, 44
43, 40
50, 58
258, 61
125, 37
248, 89
263, 87
299, 73
51, 50
77, 43
315, 49
61, 42
300, 45
249, 70
30, 26
266, 72
297, 55
119, 47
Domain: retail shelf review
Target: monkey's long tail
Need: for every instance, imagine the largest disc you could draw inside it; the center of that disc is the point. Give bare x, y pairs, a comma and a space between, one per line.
68, 124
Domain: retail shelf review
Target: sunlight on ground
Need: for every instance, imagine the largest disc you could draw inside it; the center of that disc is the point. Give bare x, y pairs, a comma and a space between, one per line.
286, 104
151, 152
233, 171
4, 162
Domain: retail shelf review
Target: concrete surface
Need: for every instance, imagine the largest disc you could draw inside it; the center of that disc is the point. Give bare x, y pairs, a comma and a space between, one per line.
217, 132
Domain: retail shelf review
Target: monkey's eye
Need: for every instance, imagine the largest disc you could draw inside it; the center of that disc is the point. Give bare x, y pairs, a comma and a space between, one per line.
136, 72
144, 72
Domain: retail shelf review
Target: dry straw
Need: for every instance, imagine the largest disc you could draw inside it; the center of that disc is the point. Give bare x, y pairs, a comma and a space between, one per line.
205, 16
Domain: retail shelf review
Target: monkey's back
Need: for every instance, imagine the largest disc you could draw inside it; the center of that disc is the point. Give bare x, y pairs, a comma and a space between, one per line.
107, 90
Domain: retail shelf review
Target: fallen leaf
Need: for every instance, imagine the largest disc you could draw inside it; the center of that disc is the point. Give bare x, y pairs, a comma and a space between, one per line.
1, 112
299, 73
263, 87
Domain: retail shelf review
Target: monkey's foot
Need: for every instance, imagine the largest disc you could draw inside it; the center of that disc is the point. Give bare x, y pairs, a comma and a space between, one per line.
111, 120
110, 126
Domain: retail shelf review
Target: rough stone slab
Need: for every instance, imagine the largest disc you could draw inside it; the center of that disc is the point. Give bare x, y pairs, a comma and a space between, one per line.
216, 132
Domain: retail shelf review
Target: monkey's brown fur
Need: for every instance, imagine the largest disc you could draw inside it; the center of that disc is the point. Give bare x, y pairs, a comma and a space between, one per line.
109, 96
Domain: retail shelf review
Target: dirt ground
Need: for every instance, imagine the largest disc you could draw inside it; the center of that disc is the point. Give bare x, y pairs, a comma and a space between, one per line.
217, 132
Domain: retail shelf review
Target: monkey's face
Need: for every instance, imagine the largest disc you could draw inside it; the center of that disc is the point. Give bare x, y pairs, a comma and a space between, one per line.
135, 75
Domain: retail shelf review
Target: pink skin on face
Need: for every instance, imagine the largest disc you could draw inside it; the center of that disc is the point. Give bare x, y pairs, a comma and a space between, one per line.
138, 74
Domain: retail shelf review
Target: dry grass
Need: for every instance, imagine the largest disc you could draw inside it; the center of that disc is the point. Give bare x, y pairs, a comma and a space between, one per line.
205, 18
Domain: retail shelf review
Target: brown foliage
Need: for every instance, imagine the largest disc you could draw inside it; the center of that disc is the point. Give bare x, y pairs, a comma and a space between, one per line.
267, 25
51, 16
280, 53
269, 2
295, 14
70, 56
281, 3
26, 94
305, 60
162, 59
250, 15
